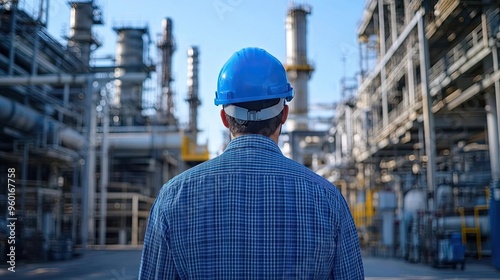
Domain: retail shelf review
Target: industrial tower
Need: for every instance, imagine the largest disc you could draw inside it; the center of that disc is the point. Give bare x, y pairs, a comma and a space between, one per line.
81, 39
192, 96
166, 45
298, 68
300, 142
129, 59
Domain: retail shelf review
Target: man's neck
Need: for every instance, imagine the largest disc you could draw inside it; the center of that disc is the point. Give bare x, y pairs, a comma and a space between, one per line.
275, 136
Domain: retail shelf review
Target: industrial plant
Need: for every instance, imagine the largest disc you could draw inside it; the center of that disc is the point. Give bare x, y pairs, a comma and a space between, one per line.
415, 147
88, 161
413, 144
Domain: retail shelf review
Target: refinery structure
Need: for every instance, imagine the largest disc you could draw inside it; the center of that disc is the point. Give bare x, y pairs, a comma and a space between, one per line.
415, 149
88, 160
413, 146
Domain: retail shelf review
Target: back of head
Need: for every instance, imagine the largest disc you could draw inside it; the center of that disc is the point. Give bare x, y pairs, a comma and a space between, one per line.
252, 88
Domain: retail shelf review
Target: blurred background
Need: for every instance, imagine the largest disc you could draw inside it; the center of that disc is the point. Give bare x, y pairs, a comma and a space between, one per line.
396, 103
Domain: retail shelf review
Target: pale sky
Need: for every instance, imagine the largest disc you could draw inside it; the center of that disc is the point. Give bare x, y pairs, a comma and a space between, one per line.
221, 27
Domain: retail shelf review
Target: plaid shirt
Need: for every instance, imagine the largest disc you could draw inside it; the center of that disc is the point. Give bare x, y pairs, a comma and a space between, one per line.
250, 213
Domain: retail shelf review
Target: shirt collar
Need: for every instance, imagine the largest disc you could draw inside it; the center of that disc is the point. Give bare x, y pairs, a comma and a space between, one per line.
253, 141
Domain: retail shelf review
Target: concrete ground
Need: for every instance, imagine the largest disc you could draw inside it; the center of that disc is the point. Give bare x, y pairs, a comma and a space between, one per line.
123, 264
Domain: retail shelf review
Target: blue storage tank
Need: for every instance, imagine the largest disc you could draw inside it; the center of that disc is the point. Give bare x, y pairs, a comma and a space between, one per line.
457, 248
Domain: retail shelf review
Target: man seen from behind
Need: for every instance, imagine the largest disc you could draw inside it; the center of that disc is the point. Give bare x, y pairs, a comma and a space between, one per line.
251, 212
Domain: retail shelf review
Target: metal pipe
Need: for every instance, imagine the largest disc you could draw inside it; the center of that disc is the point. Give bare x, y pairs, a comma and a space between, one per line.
65, 99
74, 203
71, 79
71, 138
495, 184
104, 173
428, 116
471, 91
411, 76
19, 116
349, 130
89, 173
12, 50
383, 74
394, 27
385, 103
36, 49
454, 223
135, 220
381, 27
144, 141
494, 211
493, 137
496, 98
26, 119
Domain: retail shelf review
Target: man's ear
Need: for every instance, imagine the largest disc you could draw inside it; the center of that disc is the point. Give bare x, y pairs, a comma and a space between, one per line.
224, 118
285, 114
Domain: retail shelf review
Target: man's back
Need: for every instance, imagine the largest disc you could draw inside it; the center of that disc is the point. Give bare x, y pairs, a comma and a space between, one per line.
251, 213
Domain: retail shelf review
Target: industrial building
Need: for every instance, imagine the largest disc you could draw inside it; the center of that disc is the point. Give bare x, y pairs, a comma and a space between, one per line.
87, 153
415, 149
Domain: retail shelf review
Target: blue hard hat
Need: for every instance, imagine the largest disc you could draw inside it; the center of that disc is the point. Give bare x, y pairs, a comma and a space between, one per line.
252, 74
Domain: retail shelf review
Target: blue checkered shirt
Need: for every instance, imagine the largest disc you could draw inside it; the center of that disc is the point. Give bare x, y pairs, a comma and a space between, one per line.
250, 213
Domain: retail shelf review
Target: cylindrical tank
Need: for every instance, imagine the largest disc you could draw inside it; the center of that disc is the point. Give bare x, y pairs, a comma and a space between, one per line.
130, 47
414, 200
81, 20
297, 66
129, 58
296, 31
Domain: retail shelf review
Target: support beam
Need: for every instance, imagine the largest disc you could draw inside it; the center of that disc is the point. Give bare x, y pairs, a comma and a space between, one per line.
135, 220
104, 172
428, 116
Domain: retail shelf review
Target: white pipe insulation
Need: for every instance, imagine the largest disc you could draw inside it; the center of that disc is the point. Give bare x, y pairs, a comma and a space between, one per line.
144, 140
26, 119
19, 116
71, 79
71, 138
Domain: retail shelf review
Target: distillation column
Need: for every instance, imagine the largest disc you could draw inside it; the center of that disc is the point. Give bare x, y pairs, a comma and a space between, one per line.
83, 16
192, 98
297, 66
81, 42
129, 59
166, 45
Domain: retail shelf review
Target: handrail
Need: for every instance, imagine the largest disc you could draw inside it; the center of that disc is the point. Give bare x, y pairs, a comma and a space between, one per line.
476, 229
